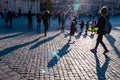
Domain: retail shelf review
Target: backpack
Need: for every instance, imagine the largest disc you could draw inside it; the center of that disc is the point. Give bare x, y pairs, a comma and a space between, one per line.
108, 26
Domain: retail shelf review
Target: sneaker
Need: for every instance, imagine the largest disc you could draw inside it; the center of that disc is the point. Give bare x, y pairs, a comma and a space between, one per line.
106, 51
93, 50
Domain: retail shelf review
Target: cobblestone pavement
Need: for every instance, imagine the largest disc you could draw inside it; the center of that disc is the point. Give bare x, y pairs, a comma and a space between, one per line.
27, 55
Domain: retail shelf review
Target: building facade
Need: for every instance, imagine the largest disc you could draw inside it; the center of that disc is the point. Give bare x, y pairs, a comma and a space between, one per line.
86, 6
24, 5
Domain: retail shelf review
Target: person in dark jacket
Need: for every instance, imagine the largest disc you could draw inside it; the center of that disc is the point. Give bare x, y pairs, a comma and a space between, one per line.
10, 17
101, 32
5, 16
82, 25
63, 21
29, 17
45, 22
59, 18
73, 28
39, 17
87, 26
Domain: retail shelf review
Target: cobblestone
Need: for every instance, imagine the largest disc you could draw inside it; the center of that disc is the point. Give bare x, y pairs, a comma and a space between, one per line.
27, 55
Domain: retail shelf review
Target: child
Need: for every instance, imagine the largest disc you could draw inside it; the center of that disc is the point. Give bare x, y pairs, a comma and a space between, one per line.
39, 16
73, 28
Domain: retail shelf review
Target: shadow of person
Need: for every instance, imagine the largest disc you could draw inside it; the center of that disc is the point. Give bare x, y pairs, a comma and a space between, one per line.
59, 55
112, 43
101, 70
66, 35
11, 36
78, 35
85, 35
12, 48
92, 36
43, 41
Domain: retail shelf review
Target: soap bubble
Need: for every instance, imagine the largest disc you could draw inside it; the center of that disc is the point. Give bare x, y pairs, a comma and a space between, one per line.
54, 54
76, 6
46, 71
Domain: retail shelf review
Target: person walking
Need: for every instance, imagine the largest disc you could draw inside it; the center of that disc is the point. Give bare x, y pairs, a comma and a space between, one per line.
101, 24
73, 28
39, 17
82, 25
59, 18
87, 26
63, 22
93, 25
10, 17
5, 16
45, 18
29, 17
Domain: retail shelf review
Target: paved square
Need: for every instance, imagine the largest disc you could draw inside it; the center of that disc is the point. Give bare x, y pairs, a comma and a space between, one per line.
27, 55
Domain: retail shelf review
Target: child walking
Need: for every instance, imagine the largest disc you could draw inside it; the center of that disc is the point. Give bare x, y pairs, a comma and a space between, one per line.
73, 28
39, 17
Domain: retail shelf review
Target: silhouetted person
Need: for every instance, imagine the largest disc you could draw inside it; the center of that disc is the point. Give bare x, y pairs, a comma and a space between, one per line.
39, 17
81, 26
45, 22
93, 24
10, 17
59, 18
87, 26
5, 16
101, 32
73, 28
63, 22
29, 17
19, 13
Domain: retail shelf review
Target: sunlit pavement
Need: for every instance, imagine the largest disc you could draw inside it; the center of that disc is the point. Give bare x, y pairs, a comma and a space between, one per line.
28, 55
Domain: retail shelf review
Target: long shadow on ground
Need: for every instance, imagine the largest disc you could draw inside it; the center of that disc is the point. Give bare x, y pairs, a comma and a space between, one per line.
12, 48
44, 41
58, 55
78, 35
101, 70
11, 36
112, 42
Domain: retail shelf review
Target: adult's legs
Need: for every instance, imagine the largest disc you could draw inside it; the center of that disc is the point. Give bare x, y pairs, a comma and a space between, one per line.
99, 40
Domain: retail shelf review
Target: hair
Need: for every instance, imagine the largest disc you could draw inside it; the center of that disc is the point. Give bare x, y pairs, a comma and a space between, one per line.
104, 10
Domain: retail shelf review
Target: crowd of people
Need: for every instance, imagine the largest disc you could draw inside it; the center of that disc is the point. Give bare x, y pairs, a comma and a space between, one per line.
46, 16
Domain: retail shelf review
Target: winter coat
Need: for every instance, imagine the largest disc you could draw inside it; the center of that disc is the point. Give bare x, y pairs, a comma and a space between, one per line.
73, 28
101, 24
